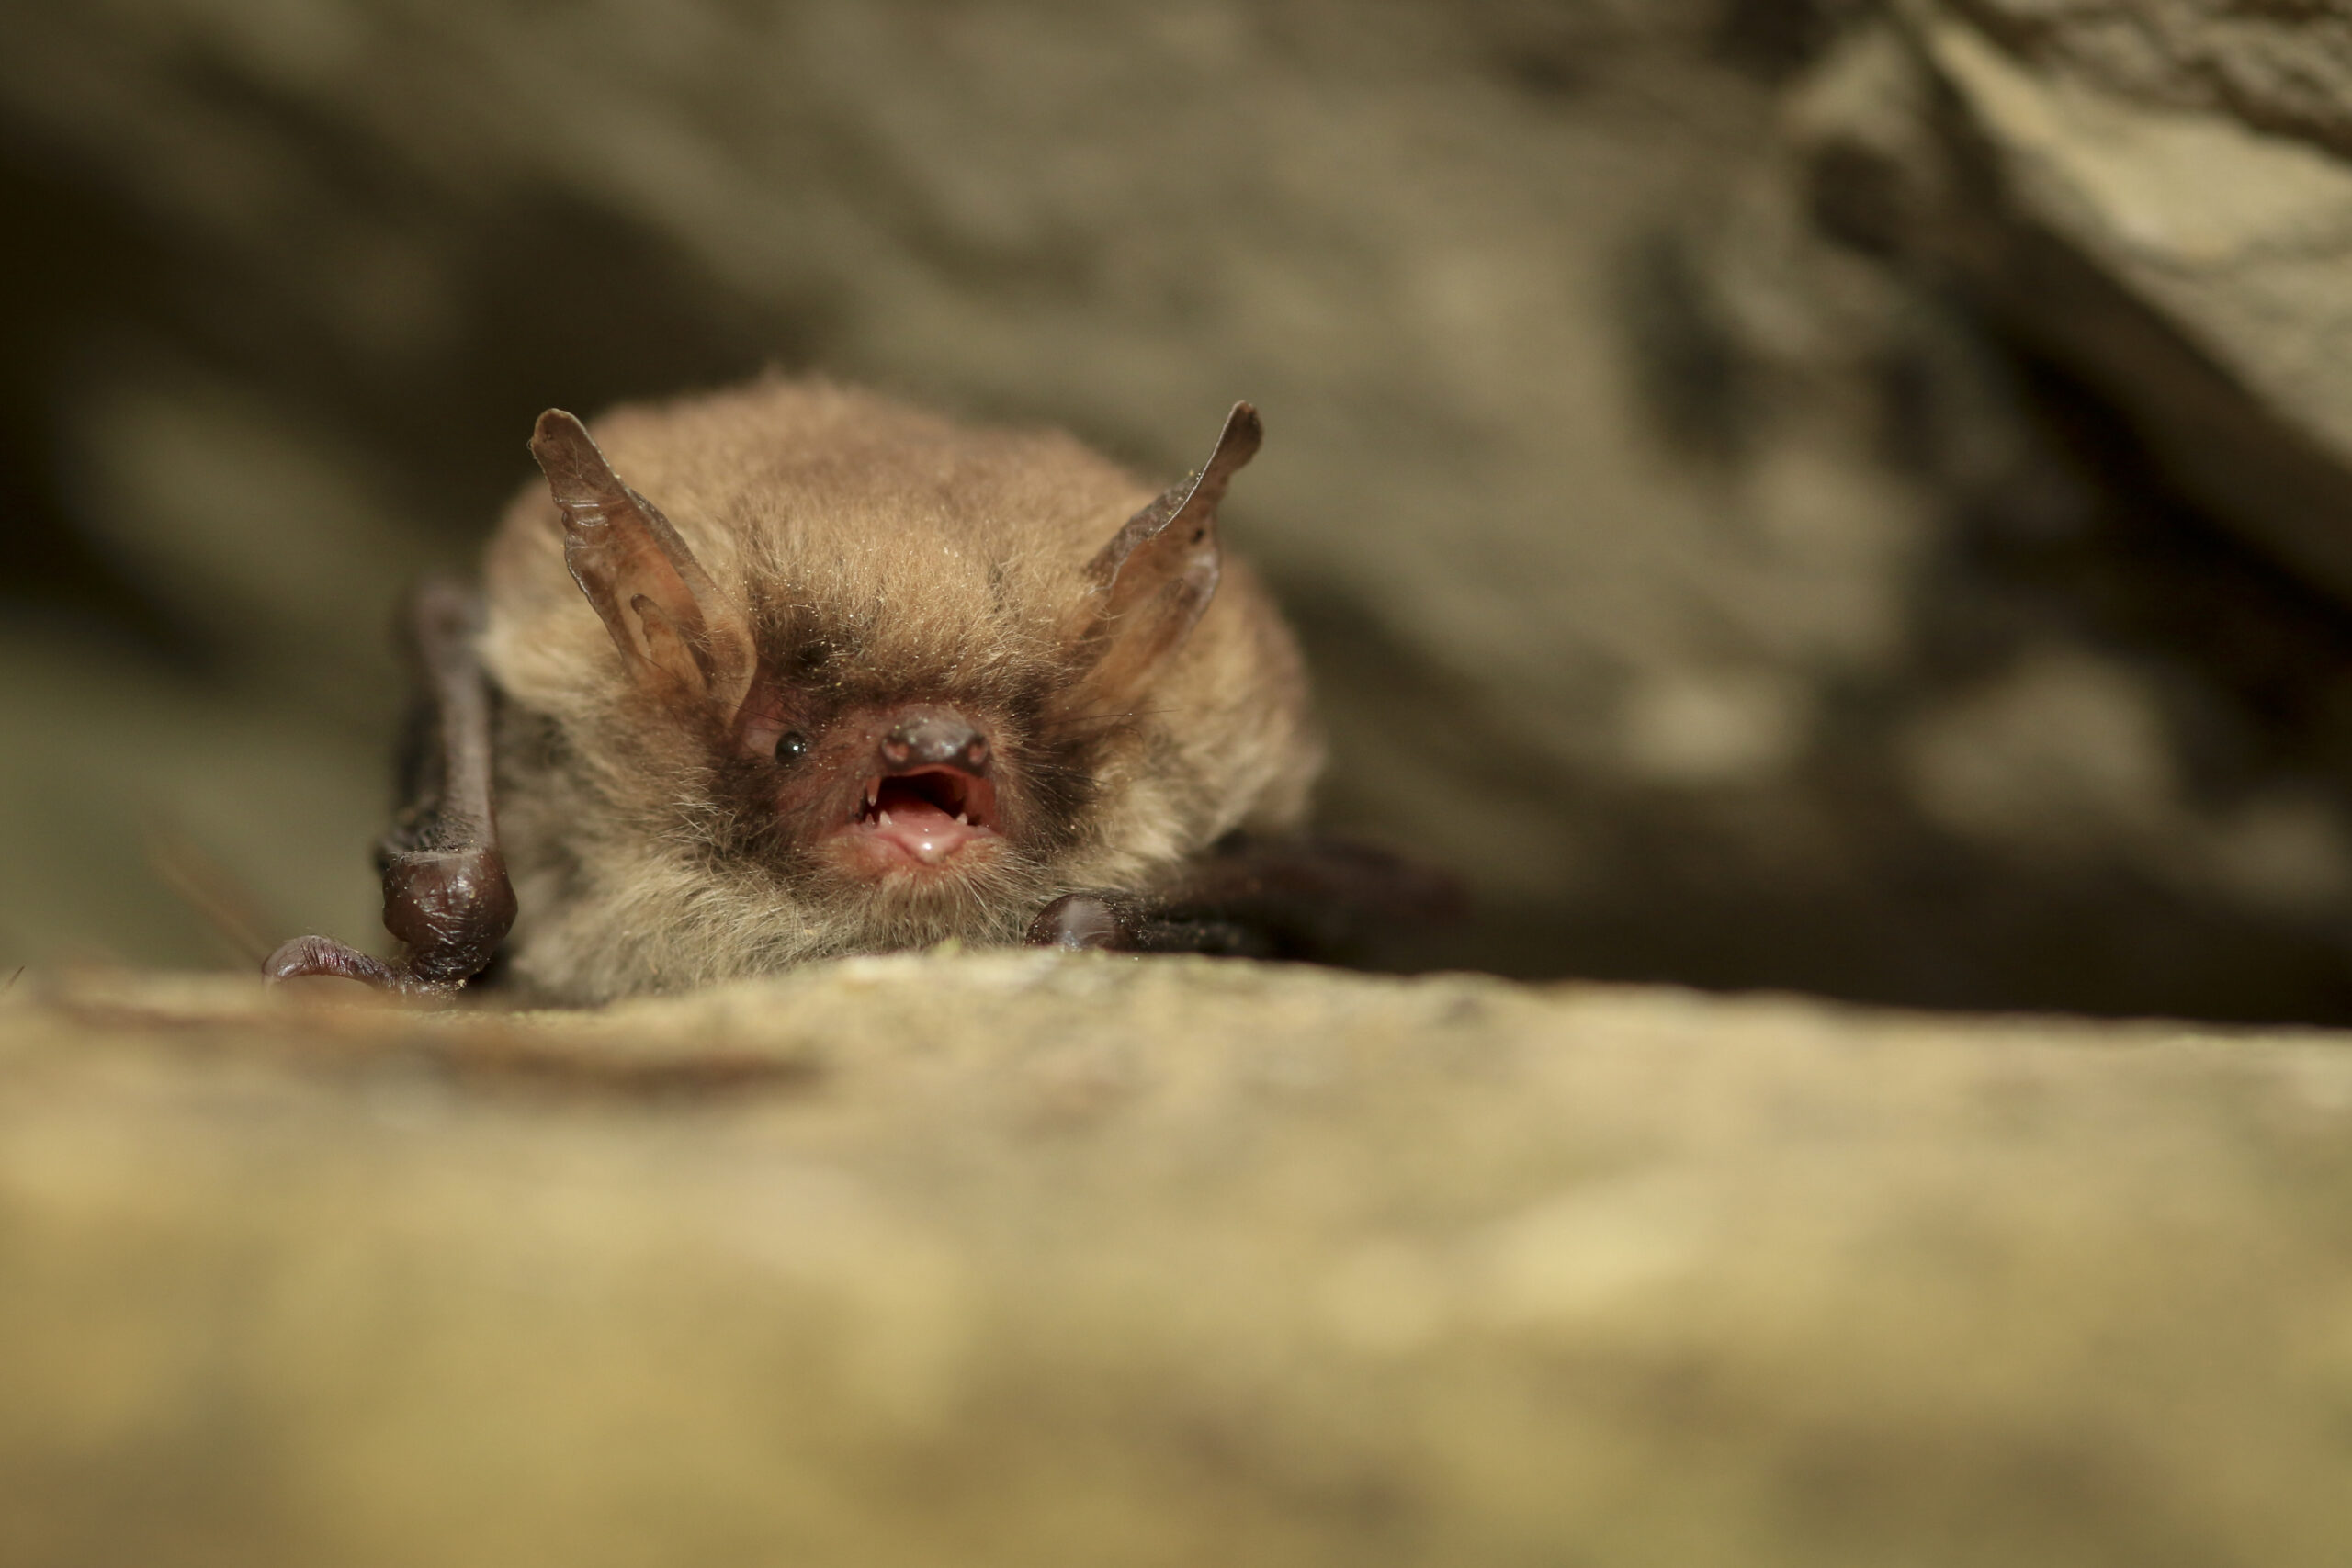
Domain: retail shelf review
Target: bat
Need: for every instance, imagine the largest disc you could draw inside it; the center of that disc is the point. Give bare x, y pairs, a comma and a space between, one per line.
865, 680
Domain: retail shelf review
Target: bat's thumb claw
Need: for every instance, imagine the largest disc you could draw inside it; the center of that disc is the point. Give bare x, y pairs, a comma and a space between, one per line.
309, 956
1081, 922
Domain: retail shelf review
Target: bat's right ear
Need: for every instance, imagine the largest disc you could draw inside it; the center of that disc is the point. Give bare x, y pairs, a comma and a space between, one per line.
664, 614
1156, 577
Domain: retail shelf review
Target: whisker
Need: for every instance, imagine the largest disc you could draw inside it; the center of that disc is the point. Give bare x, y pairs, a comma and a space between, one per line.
232, 912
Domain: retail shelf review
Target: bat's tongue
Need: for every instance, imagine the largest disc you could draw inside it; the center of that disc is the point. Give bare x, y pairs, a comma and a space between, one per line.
909, 816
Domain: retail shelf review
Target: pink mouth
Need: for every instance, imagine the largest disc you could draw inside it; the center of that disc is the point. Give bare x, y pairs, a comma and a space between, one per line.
923, 818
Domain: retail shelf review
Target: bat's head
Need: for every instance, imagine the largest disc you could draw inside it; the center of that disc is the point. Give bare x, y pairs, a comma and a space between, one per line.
905, 682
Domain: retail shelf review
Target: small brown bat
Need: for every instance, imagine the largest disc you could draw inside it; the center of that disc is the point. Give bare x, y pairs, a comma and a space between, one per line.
864, 680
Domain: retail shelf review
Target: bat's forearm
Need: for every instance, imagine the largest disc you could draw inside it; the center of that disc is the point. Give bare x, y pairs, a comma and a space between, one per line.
447, 895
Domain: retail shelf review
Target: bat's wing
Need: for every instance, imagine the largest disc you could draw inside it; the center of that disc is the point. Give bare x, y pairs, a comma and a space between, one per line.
447, 896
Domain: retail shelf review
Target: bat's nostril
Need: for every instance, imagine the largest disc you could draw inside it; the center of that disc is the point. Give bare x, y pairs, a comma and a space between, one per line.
935, 739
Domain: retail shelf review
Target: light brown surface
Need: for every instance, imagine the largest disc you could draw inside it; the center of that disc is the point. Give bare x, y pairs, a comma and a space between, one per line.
1029, 1260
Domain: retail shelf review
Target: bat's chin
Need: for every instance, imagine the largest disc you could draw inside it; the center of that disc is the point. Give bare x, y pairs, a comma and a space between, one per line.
927, 823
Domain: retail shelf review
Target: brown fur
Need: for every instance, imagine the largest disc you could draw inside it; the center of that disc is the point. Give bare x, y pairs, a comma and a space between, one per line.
874, 555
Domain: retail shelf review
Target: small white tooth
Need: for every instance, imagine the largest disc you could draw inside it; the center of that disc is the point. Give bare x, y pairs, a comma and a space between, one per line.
873, 791
962, 821
886, 819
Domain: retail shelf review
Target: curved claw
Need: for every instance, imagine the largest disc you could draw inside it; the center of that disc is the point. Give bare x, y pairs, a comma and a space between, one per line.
1080, 922
307, 957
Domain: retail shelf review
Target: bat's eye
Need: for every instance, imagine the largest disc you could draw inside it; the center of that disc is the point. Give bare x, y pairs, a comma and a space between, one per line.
790, 747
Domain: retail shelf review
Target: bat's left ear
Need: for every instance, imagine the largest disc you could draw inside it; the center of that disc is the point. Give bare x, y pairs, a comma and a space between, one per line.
1158, 573
666, 614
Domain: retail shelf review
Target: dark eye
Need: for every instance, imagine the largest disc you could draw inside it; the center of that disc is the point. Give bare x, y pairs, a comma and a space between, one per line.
790, 747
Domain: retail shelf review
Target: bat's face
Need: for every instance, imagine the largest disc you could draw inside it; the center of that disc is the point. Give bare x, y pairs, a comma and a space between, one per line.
877, 731
920, 794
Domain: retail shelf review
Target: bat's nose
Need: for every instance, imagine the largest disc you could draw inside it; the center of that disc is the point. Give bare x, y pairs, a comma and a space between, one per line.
935, 737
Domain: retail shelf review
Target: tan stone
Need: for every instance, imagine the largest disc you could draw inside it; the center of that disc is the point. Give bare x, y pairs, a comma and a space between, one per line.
1030, 1260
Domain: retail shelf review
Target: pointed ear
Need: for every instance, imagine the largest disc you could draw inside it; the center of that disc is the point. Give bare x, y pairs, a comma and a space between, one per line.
1156, 575
663, 611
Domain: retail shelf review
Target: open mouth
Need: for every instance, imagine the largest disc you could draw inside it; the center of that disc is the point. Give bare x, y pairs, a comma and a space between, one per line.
927, 815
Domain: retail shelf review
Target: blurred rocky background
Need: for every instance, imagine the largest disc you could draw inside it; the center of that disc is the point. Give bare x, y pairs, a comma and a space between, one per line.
1780, 492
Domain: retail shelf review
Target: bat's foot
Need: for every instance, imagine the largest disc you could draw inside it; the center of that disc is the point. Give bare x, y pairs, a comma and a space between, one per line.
1081, 922
310, 957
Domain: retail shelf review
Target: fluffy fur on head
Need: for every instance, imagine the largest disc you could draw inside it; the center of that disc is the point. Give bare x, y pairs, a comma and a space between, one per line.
874, 556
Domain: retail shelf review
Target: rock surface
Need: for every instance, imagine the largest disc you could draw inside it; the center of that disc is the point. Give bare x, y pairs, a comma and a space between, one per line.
1026, 1261
2159, 194
2279, 67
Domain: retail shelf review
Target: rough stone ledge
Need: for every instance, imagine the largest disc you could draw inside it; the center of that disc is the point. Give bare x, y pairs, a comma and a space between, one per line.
1027, 1260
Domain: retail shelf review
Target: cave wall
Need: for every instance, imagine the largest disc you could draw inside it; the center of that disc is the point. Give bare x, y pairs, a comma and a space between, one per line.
1715, 531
